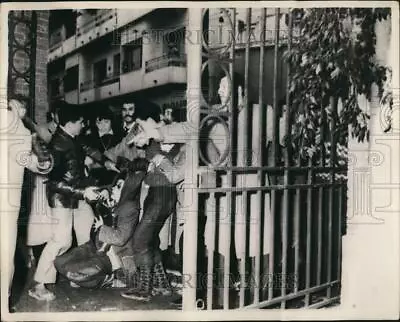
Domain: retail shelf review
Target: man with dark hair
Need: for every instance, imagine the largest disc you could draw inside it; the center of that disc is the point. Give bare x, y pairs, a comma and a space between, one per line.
67, 188
128, 111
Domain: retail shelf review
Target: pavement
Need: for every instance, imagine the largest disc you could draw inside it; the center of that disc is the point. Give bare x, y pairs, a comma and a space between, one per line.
69, 299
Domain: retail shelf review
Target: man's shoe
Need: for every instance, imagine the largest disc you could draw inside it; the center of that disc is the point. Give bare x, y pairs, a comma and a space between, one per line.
41, 293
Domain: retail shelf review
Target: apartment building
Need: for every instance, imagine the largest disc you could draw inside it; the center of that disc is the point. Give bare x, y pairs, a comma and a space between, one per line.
117, 55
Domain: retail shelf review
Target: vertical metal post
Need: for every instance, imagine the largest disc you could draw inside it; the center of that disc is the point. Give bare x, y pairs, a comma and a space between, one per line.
275, 114
228, 223
194, 49
286, 178
339, 254
274, 141
211, 248
321, 197
244, 161
331, 191
260, 161
308, 239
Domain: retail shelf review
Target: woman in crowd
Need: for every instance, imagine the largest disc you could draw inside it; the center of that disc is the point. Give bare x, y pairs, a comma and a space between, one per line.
101, 138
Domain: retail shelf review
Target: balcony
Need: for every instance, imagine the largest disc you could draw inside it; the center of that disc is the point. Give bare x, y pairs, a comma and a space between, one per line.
91, 90
96, 21
165, 61
157, 72
110, 79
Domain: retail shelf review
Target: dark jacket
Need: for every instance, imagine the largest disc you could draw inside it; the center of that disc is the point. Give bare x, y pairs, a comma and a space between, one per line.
67, 180
100, 144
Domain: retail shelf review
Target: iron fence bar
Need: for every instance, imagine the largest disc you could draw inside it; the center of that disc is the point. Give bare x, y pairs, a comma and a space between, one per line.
308, 240
331, 191
339, 268
274, 144
257, 263
191, 197
275, 137
229, 176
267, 188
243, 161
261, 142
211, 248
291, 296
297, 235
316, 169
324, 303
321, 196
246, 88
286, 179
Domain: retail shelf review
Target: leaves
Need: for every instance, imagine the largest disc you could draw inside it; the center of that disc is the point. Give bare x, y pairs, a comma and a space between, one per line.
333, 57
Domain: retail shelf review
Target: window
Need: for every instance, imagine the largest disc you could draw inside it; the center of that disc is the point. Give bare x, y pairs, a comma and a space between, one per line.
99, 72
132, 56
116, 64
71, 79
55, 87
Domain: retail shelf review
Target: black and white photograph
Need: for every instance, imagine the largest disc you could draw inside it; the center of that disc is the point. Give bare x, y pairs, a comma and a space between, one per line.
199, 160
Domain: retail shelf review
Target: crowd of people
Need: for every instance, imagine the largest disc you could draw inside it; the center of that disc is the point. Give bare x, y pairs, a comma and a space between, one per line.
132, 171
92, 165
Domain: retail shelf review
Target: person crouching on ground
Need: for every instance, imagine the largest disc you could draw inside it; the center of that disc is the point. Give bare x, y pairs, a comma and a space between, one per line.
158, 172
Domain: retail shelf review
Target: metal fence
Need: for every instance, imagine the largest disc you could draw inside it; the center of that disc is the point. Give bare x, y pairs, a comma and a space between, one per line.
268, 225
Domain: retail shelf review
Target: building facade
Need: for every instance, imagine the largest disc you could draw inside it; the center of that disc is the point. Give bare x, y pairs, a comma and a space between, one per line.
114, 56
117, 55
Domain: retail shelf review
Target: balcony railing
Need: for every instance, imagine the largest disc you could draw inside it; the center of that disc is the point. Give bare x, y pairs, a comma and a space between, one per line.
89, 84
165, 61
97, 20
112, 78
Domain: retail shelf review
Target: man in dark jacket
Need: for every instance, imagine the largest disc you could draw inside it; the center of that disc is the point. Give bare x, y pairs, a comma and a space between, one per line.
66, 190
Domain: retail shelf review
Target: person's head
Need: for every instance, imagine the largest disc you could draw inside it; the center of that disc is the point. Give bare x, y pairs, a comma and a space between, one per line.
71, 118
128, 112
166, 117
18, 107
236, 93
104, 120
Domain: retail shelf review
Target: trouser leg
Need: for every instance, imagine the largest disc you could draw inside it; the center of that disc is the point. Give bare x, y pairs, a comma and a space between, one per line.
158, 206
83, 221
59, 243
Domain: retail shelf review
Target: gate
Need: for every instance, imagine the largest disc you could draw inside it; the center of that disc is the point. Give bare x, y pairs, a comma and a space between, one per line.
268, 225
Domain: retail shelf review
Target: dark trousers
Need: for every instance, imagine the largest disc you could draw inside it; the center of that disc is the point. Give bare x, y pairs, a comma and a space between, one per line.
158, 206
